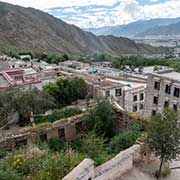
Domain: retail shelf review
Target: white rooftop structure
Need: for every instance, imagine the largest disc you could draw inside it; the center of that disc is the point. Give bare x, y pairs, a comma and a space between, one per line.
170, 75
127, 84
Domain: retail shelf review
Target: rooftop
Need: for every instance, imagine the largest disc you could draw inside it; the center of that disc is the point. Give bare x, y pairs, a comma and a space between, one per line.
128, 84
170, 75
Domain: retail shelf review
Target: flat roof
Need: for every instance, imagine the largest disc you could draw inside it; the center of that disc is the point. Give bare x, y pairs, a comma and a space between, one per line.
170, 75
128, 84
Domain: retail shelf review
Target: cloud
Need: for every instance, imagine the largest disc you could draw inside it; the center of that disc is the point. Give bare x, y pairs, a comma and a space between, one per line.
98, 13
45, 4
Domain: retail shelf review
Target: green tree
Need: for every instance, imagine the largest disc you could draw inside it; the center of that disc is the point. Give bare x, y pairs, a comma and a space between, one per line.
67, 90
102, 119
163, 136
33, 100
24, 102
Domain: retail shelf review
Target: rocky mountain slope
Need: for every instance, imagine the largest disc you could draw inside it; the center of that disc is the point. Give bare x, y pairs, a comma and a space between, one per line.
28, 29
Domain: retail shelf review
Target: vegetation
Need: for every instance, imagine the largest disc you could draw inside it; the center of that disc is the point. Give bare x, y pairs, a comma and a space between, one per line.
52, 58
65, 91
126, 139
57, 115
163, 136
24, 102
102, 119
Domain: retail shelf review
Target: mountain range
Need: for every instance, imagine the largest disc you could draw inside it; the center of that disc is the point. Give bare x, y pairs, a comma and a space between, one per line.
143, 28
28, 29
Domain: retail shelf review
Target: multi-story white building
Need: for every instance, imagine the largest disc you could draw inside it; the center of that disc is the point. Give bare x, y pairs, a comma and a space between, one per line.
163, 90
133, 95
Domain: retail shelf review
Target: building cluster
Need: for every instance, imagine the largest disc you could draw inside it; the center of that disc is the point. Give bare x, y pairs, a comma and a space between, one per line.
146, 92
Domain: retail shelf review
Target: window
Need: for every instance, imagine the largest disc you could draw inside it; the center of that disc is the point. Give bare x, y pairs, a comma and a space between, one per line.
175, 107
155, 100
107, 93
118, 92
141, 106
166, 104
176, 92
153, 112
157, 85
168, 89
134, 108
141, 96
61, 133
43, 137
135, 98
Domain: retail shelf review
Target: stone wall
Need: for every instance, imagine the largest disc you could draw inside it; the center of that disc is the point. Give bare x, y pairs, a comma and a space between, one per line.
67, 129
110, 170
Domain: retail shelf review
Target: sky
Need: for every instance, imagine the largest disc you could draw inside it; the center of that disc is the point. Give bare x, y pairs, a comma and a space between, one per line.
99, 13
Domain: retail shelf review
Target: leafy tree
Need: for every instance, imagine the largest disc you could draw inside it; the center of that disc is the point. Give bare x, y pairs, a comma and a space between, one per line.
163, 136
67, 90
33, 100
24, 102
102, 119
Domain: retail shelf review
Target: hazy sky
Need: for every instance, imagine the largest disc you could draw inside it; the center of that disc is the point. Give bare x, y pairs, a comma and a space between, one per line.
97, 13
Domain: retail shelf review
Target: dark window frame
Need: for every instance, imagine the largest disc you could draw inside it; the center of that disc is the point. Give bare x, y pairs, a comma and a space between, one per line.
156, 100
168, 89
118, 92
135, 99
176, 92
157, 85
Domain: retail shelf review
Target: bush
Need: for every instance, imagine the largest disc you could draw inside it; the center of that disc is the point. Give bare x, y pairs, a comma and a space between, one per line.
57, 145
58, 114
122, 142
57, 166
7, 173
3, 153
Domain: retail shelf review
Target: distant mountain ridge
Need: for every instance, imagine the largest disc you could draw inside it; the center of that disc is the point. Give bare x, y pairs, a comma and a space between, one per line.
168, 30
28, 29
135, 29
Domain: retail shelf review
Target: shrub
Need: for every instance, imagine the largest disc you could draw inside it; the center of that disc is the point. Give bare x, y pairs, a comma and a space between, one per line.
7, 173
58, 114
122, 142
57, 145
3, 153
58, 165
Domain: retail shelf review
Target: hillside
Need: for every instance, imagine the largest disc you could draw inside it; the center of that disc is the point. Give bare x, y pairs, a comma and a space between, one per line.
28, 29
135, 28
171, 30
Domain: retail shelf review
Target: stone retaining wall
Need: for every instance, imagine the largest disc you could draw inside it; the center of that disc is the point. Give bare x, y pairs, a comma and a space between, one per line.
110, 170
66, 129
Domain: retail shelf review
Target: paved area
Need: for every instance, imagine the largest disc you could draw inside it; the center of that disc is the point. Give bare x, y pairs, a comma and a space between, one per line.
139, 173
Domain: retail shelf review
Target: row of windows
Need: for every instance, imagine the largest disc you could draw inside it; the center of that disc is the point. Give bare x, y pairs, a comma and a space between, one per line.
135, 107
118, 92
141, 97
166, 103
176, 92
175, 107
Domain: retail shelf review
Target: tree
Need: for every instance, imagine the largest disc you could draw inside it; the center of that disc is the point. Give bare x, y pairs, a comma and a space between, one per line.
163, 136
67, 90
33, 100
24, 102
102, 119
